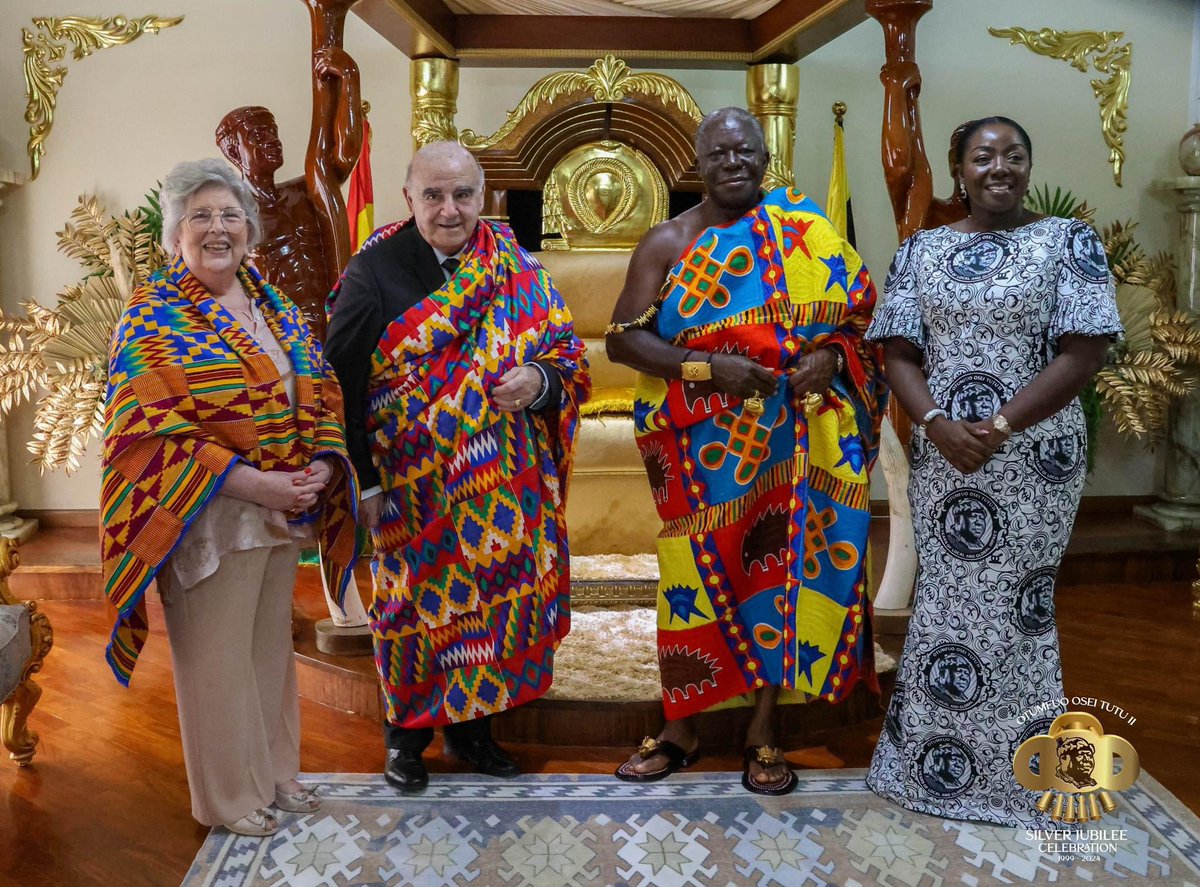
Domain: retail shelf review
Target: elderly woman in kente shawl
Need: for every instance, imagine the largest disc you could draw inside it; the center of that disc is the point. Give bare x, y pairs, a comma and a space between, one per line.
224, 450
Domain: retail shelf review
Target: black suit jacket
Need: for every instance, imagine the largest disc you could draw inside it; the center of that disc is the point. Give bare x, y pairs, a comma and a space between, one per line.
379, 285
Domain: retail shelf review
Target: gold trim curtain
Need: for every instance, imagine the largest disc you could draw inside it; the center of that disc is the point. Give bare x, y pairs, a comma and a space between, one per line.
747, 9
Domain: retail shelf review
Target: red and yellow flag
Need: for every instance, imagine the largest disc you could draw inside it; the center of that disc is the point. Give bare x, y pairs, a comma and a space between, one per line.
360, 204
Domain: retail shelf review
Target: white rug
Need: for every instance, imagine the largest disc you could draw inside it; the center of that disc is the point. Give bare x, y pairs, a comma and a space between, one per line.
614, 567
694, 829
611, 655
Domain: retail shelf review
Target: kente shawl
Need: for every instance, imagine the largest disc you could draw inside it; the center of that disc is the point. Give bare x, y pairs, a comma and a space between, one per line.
190, 394
472, 573
762, 552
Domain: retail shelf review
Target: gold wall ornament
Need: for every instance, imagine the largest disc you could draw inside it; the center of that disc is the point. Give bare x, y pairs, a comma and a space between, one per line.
772, 91
65, 349
48, 45
607, 194
1107, 55
609, 79
434, 89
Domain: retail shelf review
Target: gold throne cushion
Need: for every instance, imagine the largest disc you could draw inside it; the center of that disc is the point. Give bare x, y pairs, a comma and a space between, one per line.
590, 282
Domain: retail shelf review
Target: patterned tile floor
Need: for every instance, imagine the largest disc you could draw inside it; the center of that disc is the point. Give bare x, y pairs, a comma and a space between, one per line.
693, 829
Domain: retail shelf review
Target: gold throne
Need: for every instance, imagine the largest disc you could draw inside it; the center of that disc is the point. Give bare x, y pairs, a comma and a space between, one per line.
610, 152
597, 201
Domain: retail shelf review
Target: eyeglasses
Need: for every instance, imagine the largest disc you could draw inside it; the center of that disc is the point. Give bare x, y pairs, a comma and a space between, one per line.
201, 220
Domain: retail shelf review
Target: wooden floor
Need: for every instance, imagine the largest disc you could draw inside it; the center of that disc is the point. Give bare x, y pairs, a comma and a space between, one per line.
107, 802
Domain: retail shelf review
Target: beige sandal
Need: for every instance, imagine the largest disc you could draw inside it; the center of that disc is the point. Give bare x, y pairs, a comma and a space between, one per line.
255, 824
305, 800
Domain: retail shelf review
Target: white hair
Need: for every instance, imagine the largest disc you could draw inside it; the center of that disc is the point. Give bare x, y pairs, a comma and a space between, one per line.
440, 152
188, 177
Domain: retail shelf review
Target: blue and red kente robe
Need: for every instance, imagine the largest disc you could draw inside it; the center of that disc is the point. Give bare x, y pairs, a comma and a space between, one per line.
472, 574
763, 550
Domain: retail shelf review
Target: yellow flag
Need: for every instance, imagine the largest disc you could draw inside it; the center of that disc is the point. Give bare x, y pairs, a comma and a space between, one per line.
837, 204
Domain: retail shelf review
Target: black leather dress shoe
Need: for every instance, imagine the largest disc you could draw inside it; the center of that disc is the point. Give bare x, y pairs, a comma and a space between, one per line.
486, 757
405, 770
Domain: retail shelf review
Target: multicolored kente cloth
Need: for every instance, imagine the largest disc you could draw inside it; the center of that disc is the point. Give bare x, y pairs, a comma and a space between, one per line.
190, 394
472, 574
762, 555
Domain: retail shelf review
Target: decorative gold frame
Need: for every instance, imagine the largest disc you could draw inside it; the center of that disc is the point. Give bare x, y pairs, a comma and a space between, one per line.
42, 82
1107, 55
14, 711
609, 79
611, 593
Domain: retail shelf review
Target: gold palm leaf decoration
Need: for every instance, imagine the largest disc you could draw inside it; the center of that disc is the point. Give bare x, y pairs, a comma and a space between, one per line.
1156, 363
65, 349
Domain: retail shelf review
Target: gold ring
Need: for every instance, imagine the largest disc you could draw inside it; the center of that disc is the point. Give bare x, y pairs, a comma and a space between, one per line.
755, 405
812, 400
518, 401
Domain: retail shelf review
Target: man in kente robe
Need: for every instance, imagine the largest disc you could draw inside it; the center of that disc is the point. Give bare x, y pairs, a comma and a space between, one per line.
757, 416
463, 379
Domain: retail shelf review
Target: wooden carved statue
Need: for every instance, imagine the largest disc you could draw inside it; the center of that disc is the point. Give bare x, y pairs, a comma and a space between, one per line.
306, 238
905, 164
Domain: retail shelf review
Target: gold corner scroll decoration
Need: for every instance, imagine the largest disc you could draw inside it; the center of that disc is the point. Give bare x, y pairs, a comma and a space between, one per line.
45, 46
609, 79
1107, 55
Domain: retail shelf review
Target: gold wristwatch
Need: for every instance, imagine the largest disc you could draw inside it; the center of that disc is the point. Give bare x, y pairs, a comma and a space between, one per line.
1001, 425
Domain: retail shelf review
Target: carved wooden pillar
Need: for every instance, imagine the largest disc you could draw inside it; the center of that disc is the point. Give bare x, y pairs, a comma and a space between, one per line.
772, 91
434, 86
336, 133
905, 164
12, 526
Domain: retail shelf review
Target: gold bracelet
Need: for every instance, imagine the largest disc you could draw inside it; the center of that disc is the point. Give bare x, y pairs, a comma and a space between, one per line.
695, 370
615, 329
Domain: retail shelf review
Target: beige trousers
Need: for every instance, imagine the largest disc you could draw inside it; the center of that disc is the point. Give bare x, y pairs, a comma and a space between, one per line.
235, 681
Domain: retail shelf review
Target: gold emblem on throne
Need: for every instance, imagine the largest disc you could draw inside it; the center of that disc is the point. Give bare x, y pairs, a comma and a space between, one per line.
603, 195
1076, 767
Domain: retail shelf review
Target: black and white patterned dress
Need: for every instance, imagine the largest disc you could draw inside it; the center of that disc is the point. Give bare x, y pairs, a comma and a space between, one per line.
980, 672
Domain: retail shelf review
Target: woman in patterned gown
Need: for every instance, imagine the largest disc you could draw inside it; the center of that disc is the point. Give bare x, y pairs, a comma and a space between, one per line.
991, 326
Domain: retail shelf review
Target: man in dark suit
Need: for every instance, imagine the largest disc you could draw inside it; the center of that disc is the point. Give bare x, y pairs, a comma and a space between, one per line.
444, 190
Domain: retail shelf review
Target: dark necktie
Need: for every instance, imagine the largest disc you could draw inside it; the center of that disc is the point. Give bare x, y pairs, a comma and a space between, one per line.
450, 265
